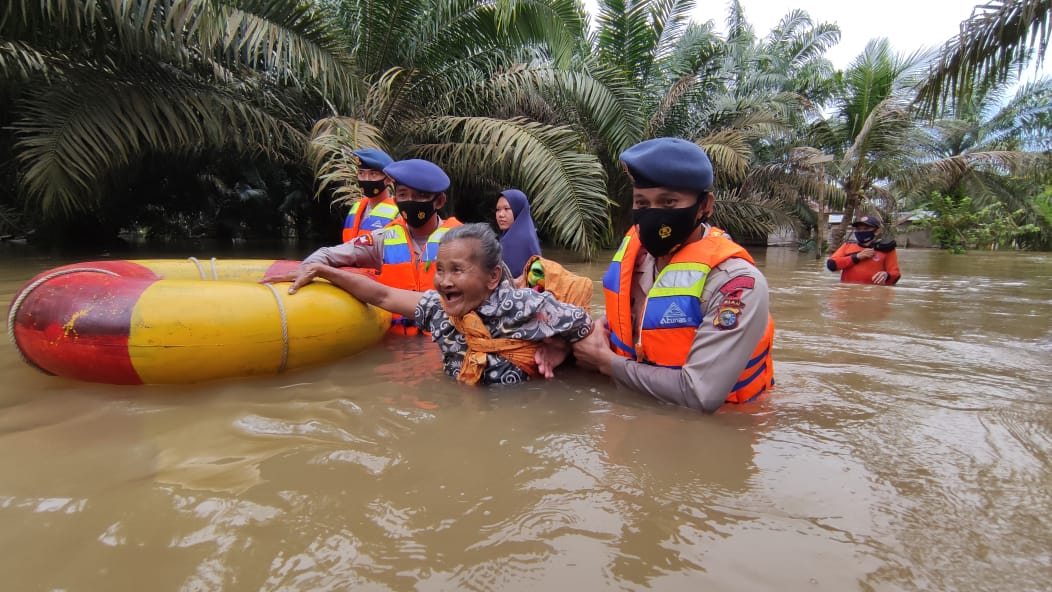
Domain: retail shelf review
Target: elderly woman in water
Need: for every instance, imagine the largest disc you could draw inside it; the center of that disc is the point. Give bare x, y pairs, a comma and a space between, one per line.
489, 331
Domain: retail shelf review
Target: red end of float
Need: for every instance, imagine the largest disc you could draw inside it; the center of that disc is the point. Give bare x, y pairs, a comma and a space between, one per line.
76, 323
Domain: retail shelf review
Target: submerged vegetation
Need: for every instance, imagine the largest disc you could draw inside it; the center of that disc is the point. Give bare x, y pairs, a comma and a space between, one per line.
236, 117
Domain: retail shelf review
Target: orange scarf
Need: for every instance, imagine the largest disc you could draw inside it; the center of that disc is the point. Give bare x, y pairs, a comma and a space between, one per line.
517, 351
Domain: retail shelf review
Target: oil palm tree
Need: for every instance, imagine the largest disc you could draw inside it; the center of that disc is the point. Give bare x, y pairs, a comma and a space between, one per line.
734, 97
91, 86
484, 89
872, 131
984, 142
998, 39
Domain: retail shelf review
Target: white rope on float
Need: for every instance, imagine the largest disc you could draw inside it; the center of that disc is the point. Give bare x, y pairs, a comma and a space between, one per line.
284, 328
215, 272
198, 264
17, 304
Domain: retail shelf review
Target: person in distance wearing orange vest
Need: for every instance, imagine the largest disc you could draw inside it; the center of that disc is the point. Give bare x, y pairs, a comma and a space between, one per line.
687, 311
404, 251
376, 208
866, 260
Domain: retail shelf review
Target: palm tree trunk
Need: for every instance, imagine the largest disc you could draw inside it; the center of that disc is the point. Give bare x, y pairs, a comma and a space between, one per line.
851, 201
820, 226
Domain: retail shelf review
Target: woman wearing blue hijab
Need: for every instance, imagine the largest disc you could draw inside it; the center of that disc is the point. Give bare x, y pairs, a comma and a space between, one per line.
518, 235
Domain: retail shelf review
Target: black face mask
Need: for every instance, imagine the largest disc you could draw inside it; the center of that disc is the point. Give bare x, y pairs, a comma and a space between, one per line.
416, 213
864, 236
663, 229
372, 188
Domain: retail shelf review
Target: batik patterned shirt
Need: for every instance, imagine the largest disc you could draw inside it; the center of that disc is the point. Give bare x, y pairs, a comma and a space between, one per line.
508, 313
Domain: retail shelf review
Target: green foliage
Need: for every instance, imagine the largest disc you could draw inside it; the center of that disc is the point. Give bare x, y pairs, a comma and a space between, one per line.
1000, 37
93, 90
1043, 206
957, 225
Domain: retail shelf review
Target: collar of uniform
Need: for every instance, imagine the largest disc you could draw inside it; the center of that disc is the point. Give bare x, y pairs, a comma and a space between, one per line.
421, 239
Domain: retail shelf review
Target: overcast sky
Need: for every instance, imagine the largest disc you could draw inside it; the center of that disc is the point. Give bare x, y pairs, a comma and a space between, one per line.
908, 24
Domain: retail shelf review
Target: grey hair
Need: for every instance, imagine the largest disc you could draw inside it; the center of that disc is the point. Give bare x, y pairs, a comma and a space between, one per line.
489, 254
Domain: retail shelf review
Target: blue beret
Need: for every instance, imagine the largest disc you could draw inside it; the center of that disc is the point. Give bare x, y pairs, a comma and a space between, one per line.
668, 162
422, 175
372, 159
867, 220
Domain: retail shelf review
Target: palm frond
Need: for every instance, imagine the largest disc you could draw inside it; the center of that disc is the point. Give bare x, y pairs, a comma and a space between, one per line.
566, 186
944, 173
730, 153
329, 155
21, 62
70, 137
1000, 35
748, 214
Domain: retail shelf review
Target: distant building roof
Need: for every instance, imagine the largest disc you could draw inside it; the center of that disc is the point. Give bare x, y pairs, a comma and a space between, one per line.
906, 217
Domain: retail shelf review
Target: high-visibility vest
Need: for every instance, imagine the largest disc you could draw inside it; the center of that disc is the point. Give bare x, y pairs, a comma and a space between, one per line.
401, 268
381, 215
664, 339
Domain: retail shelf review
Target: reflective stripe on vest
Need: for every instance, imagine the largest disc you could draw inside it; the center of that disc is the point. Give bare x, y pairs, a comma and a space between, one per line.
673, 310
381, 215
401, 269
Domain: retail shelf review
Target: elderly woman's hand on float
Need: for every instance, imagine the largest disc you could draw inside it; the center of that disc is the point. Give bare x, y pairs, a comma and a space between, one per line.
301, 276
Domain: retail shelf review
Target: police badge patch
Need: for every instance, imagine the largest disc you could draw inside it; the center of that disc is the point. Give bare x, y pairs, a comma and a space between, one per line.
730, 310
728, 314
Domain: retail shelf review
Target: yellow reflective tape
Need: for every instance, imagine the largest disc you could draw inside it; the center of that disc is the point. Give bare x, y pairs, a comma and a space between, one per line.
674, 291
437, 235
386, 209
620, 254
681, 279
395, 236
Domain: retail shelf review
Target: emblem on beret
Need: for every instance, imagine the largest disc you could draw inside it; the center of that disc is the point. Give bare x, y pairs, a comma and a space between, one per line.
664, 231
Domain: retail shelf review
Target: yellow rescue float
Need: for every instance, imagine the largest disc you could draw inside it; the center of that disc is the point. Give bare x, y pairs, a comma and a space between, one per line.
180, 321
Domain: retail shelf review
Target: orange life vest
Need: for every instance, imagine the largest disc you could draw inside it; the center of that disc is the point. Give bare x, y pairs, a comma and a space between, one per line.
673, 310
381, 215
402, 269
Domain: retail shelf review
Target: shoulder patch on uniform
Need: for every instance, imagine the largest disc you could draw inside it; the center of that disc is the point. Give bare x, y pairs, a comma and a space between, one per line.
737, 284
729, 313
730, 310
365, 239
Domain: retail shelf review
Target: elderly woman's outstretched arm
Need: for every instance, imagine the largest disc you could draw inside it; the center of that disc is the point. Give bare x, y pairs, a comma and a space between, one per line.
370, 291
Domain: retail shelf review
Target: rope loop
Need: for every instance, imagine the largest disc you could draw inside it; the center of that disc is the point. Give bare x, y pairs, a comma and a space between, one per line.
17, 304
284, 328
198, 264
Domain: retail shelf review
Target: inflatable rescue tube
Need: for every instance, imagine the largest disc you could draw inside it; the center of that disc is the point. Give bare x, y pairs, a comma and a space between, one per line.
179, 321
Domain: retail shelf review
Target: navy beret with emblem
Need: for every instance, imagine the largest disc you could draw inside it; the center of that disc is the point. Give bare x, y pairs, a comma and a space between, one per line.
422, 175
669, 162
867, 220
372, 159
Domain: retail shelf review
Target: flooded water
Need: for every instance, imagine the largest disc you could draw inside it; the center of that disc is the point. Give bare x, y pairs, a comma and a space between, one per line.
908, 446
